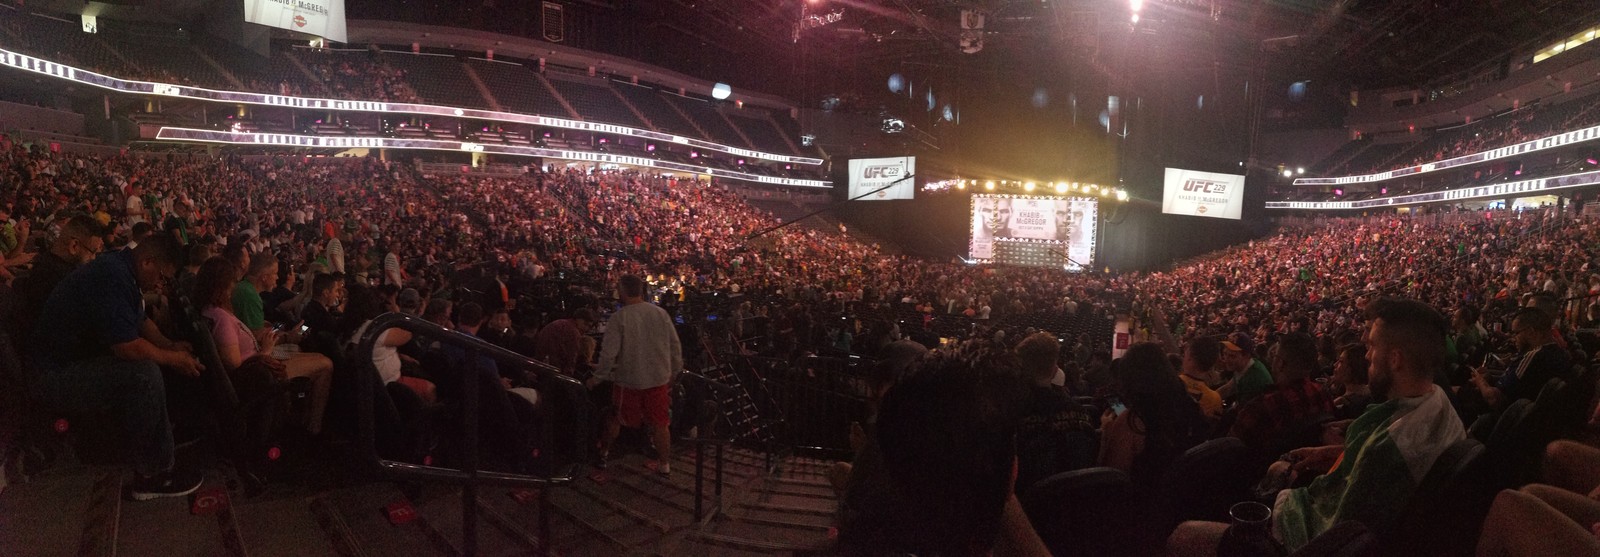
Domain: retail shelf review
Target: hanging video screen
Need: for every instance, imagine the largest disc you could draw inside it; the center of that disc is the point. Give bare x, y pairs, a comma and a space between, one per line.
1034, 231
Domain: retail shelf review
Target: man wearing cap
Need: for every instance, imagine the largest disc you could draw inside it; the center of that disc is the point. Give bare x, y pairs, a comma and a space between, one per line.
1250, 376
558, 342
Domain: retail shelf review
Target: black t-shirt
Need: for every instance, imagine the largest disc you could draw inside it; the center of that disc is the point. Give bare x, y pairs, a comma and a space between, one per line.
31, 290
1054, 435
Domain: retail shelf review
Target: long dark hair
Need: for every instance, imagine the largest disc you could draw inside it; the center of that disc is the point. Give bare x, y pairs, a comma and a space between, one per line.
214, 283
1170, 420
947, 437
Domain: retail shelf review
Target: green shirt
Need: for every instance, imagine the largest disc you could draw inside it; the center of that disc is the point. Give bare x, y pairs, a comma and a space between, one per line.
1254, 381
247, 305
1384, 460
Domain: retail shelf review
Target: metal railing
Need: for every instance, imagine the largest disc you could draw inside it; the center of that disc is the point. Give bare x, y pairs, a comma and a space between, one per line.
555, 390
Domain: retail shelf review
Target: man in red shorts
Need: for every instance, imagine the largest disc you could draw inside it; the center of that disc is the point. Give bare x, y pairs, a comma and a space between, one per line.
641, 356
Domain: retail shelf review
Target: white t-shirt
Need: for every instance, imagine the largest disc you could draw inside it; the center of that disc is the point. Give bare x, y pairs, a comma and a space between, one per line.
385, 358
135, 209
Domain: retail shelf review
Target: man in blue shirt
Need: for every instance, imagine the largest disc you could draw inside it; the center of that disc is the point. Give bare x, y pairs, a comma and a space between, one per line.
97, 351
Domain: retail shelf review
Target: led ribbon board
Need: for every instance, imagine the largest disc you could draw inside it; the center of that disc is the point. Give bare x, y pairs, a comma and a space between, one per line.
342, 142
63, 71
1520, 188
1550, 142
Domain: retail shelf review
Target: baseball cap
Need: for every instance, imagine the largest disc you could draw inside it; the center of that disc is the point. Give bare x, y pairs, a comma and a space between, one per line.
1240, 342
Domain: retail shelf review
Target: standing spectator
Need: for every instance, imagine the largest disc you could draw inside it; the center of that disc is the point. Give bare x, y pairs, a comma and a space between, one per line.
392, 271
641, 355
334, 250
97, 351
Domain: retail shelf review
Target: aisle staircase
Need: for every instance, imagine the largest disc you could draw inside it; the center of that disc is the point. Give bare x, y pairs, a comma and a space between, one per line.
77, 510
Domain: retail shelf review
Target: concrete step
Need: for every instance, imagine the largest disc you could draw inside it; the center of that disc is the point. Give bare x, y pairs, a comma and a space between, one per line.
442, 507
625, 530
366, 526
167, 527
48, 514
785, 518
828, 509
282, 526
759, 535
712, 544
568, 536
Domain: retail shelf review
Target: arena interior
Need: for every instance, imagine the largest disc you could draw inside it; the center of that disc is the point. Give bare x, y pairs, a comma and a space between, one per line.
799, 277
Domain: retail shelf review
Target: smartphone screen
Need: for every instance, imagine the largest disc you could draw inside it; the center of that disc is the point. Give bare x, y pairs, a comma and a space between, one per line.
1118, 408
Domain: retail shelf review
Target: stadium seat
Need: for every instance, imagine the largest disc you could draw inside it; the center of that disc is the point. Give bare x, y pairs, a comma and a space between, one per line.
1093, 511
1444, 513
1207, 480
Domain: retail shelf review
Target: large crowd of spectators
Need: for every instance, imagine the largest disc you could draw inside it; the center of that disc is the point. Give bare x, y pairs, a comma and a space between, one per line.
1252, 342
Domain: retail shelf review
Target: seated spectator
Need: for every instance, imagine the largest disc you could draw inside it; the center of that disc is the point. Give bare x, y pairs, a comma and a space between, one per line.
1541, 361
1350, 380
260, 275
365, 305
1386, 452
240, 349
1199, 358
946, 435
1055, 433
77, 244
96, 351
1249, 376
1161, 420
559, 341
1293, 399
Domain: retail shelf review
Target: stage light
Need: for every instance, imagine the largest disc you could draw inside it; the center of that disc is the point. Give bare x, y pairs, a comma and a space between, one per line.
694, 154
1384, 191
1300, 170
1122, 195
1028, 186
989, 186
1288, 173
651, 147
1061, 187
1136, 18
962, 185
1135, 5
1338, 192
721, 91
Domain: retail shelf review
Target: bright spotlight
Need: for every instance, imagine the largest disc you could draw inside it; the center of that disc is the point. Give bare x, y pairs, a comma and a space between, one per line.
1135, 18
989, 186
1300, 170
1287, 173
1122, 195
721, 91
1136, 5
962, 185
1061, 187
1028, 186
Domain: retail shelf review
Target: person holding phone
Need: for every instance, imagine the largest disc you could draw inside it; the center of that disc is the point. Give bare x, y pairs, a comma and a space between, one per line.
1161, 420
239, 348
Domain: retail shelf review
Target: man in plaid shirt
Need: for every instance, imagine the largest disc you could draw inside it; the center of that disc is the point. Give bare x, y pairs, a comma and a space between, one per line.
1293, 399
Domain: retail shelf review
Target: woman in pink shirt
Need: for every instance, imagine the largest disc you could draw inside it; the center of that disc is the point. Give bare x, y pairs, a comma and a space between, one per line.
236, 345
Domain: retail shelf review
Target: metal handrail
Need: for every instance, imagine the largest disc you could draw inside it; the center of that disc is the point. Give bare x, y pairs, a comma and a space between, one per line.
469, 477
